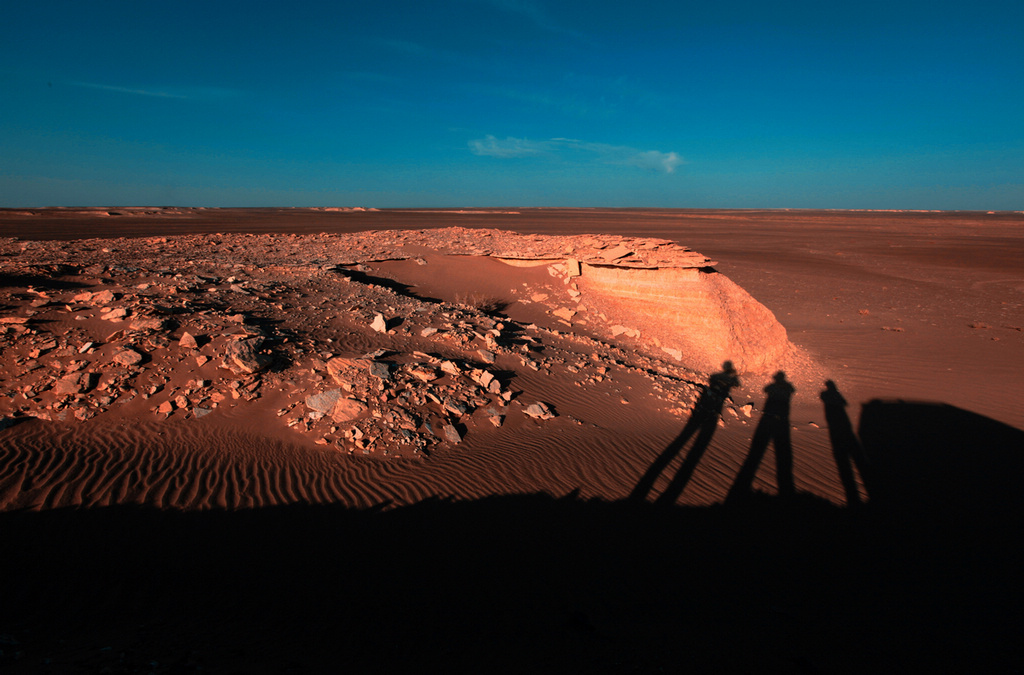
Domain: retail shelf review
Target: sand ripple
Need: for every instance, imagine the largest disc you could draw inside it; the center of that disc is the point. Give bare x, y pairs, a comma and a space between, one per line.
46, 466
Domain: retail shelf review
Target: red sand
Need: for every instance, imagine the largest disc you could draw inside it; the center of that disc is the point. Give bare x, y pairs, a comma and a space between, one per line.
922, 307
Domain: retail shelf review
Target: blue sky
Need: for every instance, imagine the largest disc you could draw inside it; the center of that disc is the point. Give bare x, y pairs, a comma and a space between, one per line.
514, 103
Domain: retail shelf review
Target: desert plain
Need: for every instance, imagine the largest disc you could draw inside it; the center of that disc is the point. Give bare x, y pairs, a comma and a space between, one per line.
505, 440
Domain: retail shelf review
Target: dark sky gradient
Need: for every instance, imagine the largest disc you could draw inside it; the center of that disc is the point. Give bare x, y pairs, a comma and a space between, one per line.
916, 105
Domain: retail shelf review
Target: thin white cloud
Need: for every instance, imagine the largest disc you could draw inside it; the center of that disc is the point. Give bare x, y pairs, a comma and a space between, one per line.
489, 146
415, 50
571, 149
129, 90
164, 92
658, 161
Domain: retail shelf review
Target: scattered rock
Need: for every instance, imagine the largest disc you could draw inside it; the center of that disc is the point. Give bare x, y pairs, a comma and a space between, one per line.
616, 253
379, 369
148, 323
346, 409
394, 407
128, 357
114, 314
564, 313
618, 330
101, 298
451, 434
324, 402
495, 416
483, 378
424, 373
243, 356
337, 368
674, 353
539, 411
68, 385
455, 406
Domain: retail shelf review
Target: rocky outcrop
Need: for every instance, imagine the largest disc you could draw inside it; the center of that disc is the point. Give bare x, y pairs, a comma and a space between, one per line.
185, 327
660, 296
244, 357
695, 315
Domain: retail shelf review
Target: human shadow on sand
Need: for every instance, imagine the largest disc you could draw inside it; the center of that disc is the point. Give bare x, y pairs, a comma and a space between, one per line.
703, 419
773, 427
846, 448
537, 583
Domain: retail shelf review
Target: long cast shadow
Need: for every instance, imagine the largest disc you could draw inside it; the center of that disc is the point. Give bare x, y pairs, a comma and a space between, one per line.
846, 449
704, 419
773, 427
398, 287
534, 583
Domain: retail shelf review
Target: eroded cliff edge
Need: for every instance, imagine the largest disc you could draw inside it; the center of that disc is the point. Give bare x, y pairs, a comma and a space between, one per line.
649, 294
663, 297
385, 343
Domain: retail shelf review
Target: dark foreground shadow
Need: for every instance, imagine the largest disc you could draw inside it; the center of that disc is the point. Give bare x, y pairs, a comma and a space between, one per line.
42, 282
943, 463
925, 578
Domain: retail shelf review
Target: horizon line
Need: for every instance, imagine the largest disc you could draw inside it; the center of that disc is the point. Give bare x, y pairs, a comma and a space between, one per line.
491, 209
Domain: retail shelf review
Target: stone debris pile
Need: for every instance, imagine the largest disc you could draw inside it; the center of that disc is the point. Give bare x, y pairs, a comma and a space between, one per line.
184, 328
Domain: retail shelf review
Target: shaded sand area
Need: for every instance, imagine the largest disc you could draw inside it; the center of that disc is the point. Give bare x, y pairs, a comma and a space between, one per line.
321, 440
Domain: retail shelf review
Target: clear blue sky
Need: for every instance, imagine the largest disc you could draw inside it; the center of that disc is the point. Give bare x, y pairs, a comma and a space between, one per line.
817, 104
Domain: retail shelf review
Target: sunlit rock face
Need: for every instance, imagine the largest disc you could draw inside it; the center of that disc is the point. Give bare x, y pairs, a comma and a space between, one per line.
657, 296
696, 315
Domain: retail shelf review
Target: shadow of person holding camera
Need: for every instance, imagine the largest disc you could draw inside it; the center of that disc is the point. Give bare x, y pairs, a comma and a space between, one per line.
703, 422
